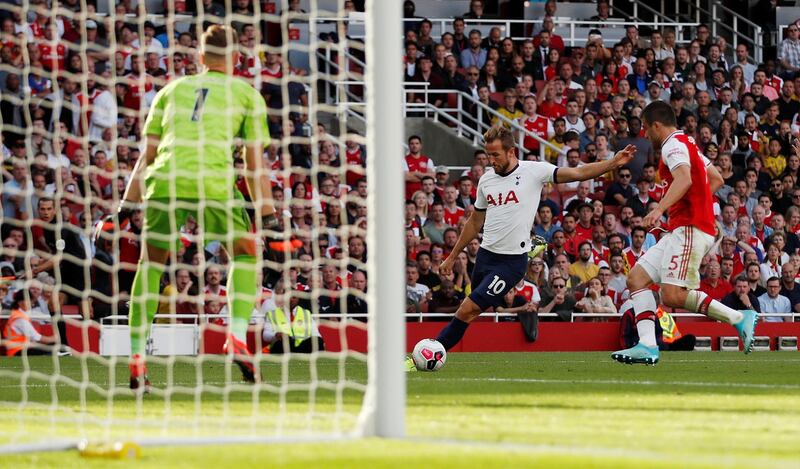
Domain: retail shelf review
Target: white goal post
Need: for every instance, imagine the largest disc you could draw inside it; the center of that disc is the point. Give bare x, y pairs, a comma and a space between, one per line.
387, 387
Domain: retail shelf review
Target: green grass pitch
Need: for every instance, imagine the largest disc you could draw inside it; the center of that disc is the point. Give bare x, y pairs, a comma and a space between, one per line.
481, 410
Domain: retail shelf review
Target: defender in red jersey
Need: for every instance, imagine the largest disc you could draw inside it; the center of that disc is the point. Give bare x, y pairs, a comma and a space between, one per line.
689, 235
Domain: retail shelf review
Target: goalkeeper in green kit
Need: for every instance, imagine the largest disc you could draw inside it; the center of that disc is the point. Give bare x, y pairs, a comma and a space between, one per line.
187, 170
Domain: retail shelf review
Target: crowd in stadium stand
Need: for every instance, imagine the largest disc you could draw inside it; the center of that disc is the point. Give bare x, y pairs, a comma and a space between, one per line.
587, 103
74, 98
72, 133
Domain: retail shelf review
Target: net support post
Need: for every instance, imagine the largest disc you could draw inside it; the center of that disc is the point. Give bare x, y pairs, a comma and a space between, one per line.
385, 406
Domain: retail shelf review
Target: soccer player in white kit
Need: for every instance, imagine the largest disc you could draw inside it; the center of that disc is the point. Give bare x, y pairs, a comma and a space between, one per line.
507, 203
674, 262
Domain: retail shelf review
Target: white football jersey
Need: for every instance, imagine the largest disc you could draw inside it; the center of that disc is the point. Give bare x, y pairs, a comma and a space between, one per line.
511, 202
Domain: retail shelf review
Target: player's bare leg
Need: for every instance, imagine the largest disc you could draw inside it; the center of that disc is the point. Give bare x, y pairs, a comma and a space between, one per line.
242, 290
144, 302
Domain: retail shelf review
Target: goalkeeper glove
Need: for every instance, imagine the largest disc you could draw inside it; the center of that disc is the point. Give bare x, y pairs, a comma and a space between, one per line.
538, 245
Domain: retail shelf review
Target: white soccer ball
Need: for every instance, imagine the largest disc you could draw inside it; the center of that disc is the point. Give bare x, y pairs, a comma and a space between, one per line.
429, 355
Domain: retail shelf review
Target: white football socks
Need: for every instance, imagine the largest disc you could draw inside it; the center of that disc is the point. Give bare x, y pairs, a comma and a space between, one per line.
699, 301
644, 302
647, 332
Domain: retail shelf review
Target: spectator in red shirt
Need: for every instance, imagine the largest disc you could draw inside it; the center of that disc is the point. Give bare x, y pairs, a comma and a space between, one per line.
599, 251
452, 212
583, 227
550, 39
416, 166
548, 100
713, 285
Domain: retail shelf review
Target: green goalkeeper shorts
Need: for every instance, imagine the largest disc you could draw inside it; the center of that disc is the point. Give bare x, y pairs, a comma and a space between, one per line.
220, 221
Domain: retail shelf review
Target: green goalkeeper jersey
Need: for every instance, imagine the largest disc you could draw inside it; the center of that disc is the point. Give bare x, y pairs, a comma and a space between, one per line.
198, 119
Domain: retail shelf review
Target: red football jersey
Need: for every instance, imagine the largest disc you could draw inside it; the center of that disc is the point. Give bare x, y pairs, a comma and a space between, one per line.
583, 234
355, 165
53, 58
451, 218
537, 125
696, 207
602, 255
657, 192
37, 30
552, 110
133, 98
528, 291
775, 82
129, 249
422, 164
631, 257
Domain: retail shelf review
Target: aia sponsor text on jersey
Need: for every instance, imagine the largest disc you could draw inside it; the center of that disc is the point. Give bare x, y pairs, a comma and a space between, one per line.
500, 199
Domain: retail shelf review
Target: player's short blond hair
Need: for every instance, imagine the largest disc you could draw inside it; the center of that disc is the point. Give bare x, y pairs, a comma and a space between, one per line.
216, 40
499, 132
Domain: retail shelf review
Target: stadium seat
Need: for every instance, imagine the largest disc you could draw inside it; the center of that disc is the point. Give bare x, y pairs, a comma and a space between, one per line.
556, 197
497, 97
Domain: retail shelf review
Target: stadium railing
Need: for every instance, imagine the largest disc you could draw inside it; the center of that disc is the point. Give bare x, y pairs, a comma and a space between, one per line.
573, 32
331, 59
727, 21
461, 119
741, 29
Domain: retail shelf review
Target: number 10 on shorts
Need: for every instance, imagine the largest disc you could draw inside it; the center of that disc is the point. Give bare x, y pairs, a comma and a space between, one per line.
496, 286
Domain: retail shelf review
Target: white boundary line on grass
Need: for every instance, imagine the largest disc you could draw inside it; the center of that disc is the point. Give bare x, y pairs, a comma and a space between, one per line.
663, 362
630, 382
594, 452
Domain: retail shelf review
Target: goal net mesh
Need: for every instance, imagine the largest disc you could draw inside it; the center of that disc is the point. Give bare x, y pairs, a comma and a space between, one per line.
77, 81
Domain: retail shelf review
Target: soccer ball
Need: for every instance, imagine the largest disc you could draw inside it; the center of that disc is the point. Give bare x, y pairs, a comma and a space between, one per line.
429, 355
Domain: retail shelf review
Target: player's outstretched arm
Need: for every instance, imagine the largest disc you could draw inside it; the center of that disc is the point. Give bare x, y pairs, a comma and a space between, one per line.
593, 170
470, 231
682, 180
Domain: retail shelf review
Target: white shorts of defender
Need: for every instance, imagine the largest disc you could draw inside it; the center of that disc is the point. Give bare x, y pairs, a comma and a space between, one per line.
676, 258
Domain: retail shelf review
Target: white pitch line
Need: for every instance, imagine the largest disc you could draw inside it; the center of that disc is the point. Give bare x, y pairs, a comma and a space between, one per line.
631, 382
622, 452
662, 362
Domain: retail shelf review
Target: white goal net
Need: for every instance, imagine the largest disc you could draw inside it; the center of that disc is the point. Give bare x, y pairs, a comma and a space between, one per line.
78, 80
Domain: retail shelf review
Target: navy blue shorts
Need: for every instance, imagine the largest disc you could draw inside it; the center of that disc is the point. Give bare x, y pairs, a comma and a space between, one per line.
494, 275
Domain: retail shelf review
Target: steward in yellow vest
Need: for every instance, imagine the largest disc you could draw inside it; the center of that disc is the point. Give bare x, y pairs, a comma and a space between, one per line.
295, 332
671, 336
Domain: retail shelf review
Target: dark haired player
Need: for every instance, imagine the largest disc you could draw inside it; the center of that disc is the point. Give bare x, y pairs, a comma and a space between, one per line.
674, 261
507, 200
